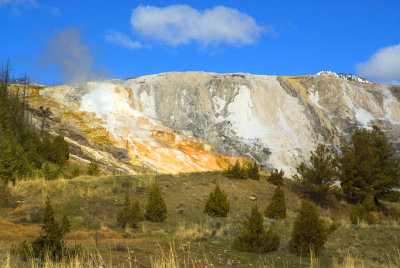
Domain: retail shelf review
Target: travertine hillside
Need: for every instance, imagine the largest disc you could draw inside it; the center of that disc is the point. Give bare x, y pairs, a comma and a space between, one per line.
195, 121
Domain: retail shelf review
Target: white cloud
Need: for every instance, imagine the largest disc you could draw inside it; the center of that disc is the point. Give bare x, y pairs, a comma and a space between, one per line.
182, 24
121, 39
383, 66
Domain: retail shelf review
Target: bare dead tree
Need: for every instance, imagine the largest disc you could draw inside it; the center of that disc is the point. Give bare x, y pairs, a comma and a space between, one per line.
44, 113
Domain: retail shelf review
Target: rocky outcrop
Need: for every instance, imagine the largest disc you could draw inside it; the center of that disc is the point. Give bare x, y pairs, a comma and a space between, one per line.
193, 121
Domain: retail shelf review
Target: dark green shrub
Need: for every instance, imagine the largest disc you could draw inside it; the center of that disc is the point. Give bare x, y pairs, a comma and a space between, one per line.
390, 196
247, 171
51, 244
33, 157
234, 172
362, 212
276, 177
217, 204
50, 173
59, 151
131, 213
277, 208
93, 169
156, 209
252, 171
309, 233
56, 151
254, 237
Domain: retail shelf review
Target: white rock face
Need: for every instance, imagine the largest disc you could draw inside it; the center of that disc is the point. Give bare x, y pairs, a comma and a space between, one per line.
275, 121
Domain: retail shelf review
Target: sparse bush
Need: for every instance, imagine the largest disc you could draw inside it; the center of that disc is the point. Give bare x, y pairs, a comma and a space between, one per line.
50, 173
137, 214
156, 209
362, 212
277, 208
75, 171
309, 233
130, 214
217, 204
93, 169
276, 177
35, 214
254, 237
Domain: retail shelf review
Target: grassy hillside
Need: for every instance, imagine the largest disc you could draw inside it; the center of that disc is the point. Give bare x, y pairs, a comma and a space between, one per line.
188, 237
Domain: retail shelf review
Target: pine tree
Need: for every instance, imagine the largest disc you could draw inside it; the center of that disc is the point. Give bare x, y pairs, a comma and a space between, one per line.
254, 237
131, 213
156, 209
368, 165
252, 171
276, 177
321, 175
277, 208
33, 157
217, 204
45, 148
13, 162
59, 153
309, 233
51, 243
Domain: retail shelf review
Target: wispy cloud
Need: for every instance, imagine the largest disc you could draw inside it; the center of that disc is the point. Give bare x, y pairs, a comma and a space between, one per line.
182, 24
17, 6
383, 66
121, 39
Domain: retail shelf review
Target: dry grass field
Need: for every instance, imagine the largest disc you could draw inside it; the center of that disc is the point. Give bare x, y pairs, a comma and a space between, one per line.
189, 238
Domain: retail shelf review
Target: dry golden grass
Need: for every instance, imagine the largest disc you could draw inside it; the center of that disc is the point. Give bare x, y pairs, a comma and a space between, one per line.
16, 233
194, 231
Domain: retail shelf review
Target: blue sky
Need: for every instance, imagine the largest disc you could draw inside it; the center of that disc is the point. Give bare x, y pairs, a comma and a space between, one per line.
62, 41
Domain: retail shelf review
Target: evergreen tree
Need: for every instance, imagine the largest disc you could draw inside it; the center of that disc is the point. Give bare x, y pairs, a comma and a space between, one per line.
59, 153
156, 209
252, 171
276, 177
33, 157
93, 169
254, 237
321, 175
131, 213
309, 231
217, 204
277, 208
13, 162
368, 165
45, 148
51, 243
